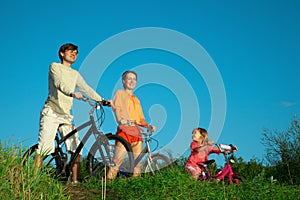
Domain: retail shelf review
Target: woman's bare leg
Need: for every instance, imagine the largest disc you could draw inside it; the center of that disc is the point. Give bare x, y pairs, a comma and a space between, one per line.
137, 149
120, 153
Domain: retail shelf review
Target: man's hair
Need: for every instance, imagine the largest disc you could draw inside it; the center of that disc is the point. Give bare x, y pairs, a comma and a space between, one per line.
127, 72
66, 47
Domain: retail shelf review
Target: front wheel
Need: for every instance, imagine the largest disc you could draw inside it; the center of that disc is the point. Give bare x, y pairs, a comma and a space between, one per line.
98, 158
156, 163
236, 179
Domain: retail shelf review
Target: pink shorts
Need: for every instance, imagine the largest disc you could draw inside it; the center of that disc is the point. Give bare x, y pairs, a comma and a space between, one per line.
195, 170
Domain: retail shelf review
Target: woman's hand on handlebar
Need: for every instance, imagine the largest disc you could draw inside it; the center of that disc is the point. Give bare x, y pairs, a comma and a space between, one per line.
152, 128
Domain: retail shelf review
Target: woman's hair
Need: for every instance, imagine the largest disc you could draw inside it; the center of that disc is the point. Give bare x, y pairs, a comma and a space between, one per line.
127, 72
66, 47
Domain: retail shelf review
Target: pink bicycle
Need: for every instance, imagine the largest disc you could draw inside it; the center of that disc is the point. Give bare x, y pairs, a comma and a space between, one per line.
226, 173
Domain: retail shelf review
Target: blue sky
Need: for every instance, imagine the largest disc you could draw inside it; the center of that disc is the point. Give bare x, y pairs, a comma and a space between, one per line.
253, 44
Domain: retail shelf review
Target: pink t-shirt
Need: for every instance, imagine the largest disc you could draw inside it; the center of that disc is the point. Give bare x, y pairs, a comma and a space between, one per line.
202, 155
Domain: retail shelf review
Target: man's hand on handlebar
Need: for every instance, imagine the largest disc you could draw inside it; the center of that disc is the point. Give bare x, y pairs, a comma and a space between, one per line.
77, 95
106, 102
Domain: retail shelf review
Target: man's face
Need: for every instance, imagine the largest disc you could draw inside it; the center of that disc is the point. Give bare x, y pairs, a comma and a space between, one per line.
69, 56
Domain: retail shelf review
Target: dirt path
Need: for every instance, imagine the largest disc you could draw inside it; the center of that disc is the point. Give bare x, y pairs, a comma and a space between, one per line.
79, 192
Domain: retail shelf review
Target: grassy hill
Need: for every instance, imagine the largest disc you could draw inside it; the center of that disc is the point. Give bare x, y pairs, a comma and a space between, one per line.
18, 182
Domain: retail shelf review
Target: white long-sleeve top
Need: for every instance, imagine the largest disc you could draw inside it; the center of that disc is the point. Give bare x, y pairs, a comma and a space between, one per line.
62, 82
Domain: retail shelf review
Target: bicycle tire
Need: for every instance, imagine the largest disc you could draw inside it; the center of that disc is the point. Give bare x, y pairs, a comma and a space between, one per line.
95, 164
159, 162
236, 179
51, 163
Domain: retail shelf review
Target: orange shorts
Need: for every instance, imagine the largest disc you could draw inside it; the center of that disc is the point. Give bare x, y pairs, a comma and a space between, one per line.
129, 138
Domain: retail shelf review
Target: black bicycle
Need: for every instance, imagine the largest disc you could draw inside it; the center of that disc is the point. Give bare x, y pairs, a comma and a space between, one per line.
59, 163
150, 162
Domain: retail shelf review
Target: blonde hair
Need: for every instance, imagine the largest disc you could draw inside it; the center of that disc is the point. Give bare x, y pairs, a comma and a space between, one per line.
204, 134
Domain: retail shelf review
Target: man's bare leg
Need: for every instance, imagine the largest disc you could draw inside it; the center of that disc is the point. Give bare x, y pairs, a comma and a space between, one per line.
76, 169
37, 163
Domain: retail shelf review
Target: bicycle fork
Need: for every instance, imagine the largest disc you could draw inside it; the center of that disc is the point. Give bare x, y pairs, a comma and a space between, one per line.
149, 158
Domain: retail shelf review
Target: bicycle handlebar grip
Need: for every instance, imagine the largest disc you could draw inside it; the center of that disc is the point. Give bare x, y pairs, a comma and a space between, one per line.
105, 103
225, 147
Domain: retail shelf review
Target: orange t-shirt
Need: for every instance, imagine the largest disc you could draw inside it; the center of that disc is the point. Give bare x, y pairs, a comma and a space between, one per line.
129, 107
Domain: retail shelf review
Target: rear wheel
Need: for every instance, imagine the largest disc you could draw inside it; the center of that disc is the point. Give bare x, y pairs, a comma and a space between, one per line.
53, 163
98, 158
156, 164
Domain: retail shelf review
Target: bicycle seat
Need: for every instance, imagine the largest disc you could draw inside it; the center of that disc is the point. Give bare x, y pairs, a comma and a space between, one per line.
208, 162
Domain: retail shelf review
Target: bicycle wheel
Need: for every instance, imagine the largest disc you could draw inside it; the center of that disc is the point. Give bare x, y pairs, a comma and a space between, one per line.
51, 163
97, 164
157, 163
236, 179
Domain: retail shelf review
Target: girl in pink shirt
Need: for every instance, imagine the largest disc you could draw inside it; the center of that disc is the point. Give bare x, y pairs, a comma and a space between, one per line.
201, 148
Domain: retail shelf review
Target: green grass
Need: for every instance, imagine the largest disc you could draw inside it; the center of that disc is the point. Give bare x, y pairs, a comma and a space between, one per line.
177, 184
19, 182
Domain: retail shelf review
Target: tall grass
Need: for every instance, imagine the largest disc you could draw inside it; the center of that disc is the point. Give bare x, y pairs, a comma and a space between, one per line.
19, 182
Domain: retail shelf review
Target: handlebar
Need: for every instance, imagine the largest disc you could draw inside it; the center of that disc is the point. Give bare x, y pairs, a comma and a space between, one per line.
91, 102
225, 148
97, 106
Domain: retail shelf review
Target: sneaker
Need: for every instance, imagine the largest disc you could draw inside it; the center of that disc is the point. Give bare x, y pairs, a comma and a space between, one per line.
75, 182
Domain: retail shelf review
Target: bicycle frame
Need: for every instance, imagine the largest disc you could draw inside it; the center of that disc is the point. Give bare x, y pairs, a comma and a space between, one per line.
99, 136
146, 150
225, 171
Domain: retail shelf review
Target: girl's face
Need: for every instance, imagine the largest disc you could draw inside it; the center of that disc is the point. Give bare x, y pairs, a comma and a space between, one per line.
129, 81
196, 136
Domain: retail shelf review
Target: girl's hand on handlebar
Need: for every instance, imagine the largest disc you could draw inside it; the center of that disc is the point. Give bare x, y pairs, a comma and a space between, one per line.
234, 148
225, 151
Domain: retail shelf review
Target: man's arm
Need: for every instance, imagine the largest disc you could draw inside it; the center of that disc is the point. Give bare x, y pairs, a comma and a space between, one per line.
86, 89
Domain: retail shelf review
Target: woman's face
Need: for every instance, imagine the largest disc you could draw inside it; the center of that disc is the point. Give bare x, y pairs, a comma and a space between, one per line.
129, 81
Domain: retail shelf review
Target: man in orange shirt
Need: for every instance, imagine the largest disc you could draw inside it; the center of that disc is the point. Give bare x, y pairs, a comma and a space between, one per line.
128, 112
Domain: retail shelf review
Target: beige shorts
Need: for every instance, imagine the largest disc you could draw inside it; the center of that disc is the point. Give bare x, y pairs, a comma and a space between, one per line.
50, 121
